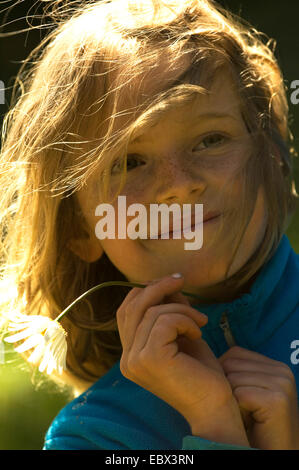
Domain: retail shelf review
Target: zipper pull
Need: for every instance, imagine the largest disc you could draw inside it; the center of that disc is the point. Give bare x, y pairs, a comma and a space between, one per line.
224, 325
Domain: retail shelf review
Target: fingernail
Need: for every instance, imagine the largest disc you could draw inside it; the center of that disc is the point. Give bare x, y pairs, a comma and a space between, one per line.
177, 275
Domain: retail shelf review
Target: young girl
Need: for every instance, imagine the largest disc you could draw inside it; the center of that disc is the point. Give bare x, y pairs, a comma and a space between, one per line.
162, 102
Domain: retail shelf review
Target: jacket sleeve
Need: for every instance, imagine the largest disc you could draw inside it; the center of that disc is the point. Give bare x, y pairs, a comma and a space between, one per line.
82, 431
79, 443
68, 443
197, 443
72, 434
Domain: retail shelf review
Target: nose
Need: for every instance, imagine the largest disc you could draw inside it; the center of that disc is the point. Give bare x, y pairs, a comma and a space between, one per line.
179, 183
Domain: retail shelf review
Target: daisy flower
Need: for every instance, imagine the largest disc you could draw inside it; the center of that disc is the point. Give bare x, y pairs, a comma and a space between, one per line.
46, 337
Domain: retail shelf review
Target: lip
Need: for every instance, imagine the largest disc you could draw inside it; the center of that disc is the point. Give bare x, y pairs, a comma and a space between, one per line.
209, 216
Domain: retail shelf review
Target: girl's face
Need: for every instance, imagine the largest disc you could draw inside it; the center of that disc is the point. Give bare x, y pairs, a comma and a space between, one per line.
186, 158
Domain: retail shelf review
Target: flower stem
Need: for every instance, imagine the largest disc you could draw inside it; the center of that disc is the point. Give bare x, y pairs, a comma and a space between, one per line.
107, 284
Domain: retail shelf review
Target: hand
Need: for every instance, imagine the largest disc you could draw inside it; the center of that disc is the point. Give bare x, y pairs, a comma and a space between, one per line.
163, 352
266, 392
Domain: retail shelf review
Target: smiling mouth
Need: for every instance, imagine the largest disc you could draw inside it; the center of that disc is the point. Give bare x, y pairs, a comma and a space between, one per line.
209, 218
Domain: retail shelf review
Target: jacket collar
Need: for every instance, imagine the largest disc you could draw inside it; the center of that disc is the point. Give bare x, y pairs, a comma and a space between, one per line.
269, 283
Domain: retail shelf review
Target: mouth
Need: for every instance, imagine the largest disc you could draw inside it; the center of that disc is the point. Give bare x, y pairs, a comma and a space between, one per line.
208, 218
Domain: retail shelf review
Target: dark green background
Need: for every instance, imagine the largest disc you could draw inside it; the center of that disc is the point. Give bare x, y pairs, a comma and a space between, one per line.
26, 408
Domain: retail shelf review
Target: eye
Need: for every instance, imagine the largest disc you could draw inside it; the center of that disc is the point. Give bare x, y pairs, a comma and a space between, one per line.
133, 161
211, 140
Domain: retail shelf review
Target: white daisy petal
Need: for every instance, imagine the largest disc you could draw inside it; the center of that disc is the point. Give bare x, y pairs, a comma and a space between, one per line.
30, 342
17, 327
62, 365
61, 347
46, 337
31, 318
42, 365
22, 318
61, 357
58, 361
45, 360
37, 353
53, 331
51, 366
57, 345
54, 353
18, 336
37, 322
18, 324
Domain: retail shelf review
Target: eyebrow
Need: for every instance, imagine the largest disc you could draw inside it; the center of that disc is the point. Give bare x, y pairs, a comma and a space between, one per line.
196, 118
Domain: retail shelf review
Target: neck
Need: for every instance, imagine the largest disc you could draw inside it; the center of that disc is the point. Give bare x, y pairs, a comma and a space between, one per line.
221, 293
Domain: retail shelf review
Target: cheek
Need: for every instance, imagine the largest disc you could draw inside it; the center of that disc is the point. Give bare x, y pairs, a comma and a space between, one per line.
87, 202
137, 184
138, 190
223, 167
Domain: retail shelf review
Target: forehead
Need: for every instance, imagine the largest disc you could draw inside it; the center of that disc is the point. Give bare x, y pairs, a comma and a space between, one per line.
220, 100
134, 109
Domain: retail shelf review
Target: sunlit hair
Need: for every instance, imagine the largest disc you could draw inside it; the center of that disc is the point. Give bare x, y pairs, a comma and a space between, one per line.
78, 100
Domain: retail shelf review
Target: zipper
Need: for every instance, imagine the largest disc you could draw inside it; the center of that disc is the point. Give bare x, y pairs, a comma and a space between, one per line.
225, 327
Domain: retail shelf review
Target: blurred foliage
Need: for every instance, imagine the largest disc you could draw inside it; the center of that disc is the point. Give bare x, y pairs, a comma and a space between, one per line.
28, 403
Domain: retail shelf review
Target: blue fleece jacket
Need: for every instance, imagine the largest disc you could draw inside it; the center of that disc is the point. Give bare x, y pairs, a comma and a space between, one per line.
115, 413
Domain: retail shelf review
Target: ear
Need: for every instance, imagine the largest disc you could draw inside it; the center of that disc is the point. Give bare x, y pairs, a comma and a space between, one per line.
87, 249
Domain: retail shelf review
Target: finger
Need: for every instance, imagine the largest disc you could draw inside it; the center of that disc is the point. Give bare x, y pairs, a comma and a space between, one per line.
120, 314
156, 292
130, 314
166, 342
177, 297
247, 419
276, 383
252, 379
161, 342
152, 314
201, 351
130, 296
139, 290
232, 364
254, 399
162, 345
242, 353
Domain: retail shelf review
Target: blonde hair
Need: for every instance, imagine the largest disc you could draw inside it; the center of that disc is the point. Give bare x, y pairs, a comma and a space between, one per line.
75, 106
